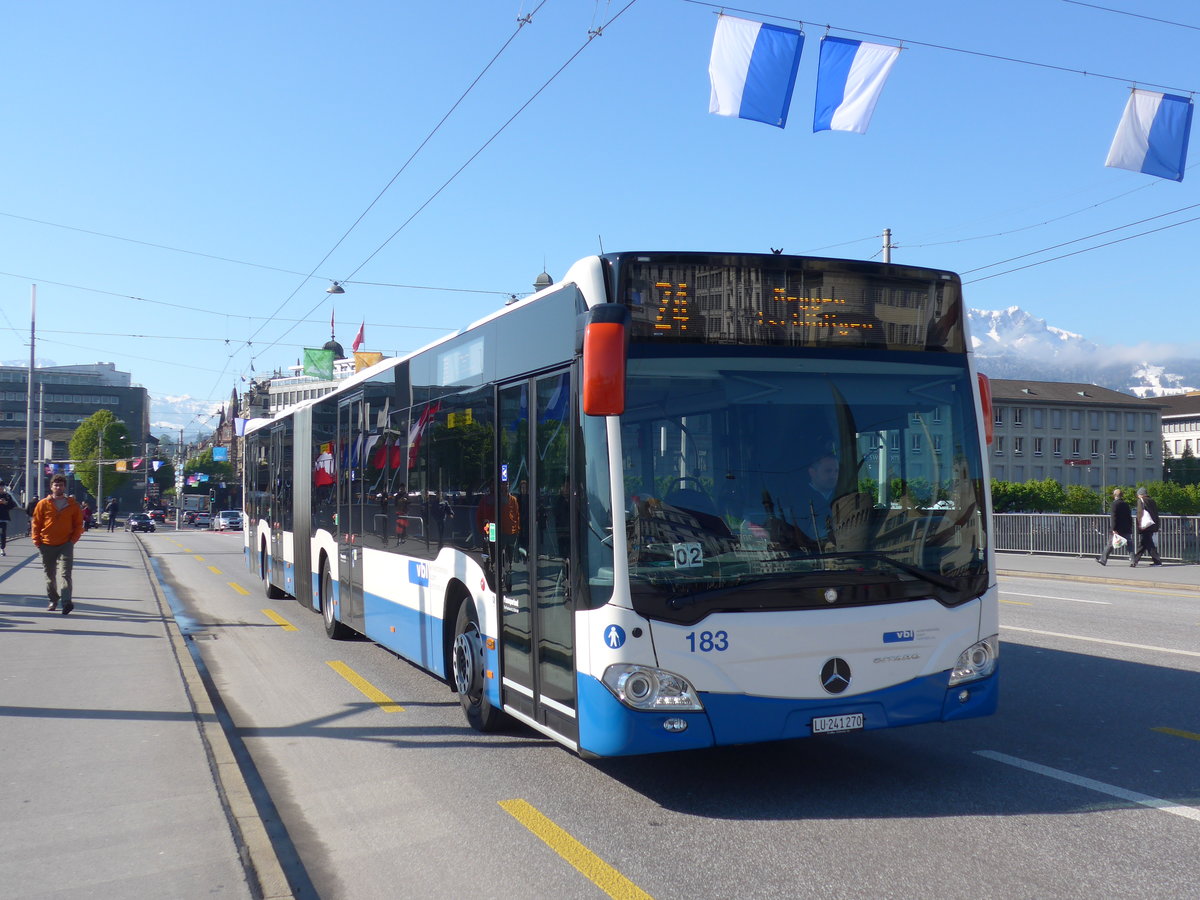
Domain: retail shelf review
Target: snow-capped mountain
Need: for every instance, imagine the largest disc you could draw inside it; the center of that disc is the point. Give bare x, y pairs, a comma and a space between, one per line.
1011, 343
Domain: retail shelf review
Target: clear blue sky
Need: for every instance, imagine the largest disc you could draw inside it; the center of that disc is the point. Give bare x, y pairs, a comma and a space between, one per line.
259, 132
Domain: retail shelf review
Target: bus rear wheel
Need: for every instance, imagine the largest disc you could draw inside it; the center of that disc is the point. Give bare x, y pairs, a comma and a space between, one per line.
273, 593
466, 658
333, 628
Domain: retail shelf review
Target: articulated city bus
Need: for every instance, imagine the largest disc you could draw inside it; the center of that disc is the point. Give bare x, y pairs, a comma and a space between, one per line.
675, 500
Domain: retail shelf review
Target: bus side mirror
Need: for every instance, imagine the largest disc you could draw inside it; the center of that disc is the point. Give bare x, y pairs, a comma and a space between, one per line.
605, 339
985, 405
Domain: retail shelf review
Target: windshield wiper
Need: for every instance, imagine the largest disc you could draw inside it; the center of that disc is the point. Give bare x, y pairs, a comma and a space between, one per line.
930, 577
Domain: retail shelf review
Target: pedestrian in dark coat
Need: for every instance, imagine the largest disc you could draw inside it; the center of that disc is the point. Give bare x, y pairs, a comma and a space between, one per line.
1147, 526
1121, 524
6, 503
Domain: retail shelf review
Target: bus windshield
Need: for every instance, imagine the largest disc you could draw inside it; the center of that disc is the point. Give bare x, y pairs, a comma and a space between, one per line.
770, 481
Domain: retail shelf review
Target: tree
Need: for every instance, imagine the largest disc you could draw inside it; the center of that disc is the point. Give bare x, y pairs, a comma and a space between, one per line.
204, 464
100, 432
1081, 500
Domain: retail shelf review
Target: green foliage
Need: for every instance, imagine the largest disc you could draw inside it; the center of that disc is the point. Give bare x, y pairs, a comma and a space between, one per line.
204, 464
85, 449
1079, 500
1173, 499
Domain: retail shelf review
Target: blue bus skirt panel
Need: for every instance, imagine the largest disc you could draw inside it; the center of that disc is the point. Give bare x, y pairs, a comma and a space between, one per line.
608, 728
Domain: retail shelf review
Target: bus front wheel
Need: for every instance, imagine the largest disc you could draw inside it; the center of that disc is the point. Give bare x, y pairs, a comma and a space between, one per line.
467, 663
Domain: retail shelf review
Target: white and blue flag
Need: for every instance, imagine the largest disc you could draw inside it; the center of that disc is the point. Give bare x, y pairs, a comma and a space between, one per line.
753, 70
1153, 135
850, 78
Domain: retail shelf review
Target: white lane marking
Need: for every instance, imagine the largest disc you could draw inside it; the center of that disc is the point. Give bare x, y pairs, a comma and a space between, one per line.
1080, 637
1167, 806
1048, 597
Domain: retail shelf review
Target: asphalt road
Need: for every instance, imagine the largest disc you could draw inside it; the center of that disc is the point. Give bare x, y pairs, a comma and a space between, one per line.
1086, 784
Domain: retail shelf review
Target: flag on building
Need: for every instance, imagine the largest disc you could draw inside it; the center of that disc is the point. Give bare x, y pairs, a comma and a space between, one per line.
318, 363
1152, 137
850, 78
752, 70
366, 358
358, 338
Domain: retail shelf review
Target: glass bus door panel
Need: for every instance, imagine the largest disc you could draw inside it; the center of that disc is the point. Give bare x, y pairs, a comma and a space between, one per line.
276, 504
350, 512
555, 625
509, 560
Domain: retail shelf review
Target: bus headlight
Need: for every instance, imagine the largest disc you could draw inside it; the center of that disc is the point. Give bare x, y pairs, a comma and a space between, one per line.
977, 661
643, 687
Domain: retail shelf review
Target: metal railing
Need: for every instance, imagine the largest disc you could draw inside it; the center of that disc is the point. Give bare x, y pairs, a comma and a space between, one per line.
1178, 537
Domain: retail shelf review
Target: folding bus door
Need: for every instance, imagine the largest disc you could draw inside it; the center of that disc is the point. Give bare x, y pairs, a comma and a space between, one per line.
532, 550
351, 511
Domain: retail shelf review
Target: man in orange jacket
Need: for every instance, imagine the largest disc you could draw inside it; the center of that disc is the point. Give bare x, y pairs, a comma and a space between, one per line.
57, 525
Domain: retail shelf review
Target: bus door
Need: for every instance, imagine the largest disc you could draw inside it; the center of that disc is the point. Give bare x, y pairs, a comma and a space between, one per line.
351, 510
532, 551
277, 500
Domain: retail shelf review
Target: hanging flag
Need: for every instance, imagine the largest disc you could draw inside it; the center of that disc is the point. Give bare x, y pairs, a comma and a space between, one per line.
318, 363
157, 464
850, 78
358, 338
365, 358
239, 426
1153, 135
753, 70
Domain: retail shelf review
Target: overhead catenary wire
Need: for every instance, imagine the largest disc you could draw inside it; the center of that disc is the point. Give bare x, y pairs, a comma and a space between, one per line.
1134, 15
522, 21
592, 35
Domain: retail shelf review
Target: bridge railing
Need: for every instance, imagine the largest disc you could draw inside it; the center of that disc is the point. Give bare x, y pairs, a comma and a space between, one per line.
1178, 537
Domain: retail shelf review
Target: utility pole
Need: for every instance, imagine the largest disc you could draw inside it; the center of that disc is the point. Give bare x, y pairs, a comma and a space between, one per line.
100, 472
887, 245
41, 438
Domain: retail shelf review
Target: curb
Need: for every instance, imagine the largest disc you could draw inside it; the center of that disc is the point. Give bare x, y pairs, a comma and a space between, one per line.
264, 872
1098, 579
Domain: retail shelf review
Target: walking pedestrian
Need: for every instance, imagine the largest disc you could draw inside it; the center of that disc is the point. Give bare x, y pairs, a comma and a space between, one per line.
1147, 526
6, 503
1121, 524
57, 526
111, 508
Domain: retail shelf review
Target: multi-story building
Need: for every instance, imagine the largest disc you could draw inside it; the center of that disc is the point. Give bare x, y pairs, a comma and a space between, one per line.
1180, 424
63, 397
1075, 434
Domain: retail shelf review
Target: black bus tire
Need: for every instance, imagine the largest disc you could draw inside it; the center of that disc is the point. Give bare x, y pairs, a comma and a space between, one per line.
466, 655
333, 628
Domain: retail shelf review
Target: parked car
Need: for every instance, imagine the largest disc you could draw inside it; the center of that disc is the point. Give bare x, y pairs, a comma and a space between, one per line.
139, 522
202, 520
228, 520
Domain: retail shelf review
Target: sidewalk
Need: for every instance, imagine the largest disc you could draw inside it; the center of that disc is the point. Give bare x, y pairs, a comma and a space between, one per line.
117, 780
1175, 576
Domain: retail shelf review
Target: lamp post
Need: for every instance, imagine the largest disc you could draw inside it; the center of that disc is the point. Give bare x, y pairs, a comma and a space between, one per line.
29, 461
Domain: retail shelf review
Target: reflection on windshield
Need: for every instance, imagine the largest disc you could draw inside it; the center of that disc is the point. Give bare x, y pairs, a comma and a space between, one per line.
769, 472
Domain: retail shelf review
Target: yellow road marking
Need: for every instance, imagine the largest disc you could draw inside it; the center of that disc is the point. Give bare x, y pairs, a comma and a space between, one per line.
237, 587
279, 620
386, 703
199, 557
1016, 603
1190, 735
584, 860
214, 570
